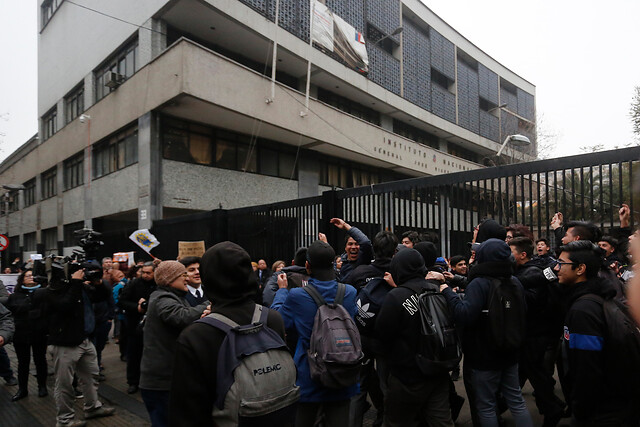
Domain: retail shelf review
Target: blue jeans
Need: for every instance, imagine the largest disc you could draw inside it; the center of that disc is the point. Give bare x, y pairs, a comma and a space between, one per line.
487, 384
157, 403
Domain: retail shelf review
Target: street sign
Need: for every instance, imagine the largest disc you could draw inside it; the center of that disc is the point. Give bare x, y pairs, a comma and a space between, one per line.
4, 242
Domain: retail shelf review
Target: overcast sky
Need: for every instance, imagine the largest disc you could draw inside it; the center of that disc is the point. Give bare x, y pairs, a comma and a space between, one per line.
582, 56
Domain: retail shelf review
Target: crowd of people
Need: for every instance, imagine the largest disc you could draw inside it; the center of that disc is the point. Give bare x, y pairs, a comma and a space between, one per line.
221, 340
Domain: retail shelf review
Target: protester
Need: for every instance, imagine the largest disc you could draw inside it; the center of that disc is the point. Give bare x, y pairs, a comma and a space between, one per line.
296, 275
5, 364
120, 319
412, 397
195, 295
490, 370
229, 282
410, 238
103, 309
168, 314
594, 396
357, 249
7, 329
298, 311
28, 304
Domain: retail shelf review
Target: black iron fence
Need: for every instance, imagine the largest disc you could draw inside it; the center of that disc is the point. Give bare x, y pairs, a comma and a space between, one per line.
588, 187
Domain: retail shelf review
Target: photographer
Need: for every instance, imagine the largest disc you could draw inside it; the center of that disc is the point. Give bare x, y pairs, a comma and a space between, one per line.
72, 321
103, 308
135, 301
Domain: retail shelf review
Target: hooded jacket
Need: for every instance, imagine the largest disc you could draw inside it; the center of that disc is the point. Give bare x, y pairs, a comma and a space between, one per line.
494, 260
362, 274
365, 255
296, 276
540, 322
29, 309
589, 390
398, 323
229, 281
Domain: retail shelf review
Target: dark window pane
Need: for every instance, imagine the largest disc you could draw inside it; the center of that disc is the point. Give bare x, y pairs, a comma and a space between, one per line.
287, 163
225, 154
244, 164
176, 145
200, 147
268, 162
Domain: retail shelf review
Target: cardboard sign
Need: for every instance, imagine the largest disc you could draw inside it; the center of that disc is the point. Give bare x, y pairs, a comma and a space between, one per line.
186, 249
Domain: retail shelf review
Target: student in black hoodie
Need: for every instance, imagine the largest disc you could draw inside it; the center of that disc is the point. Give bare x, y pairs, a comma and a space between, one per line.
543, 327
593, 396
296, 276
411, 396
491, 371
230, 283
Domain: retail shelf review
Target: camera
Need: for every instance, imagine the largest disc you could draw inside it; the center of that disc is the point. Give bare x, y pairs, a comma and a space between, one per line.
144, 305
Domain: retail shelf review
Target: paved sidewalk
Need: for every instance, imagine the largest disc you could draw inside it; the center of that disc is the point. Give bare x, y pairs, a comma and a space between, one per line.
130, 411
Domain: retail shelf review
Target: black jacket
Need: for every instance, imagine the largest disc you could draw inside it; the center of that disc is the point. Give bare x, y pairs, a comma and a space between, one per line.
365, 255
29, 309
591, 393
296, 276
536, 293
131, 294
104, 307
362, 274
468, 312
66, 301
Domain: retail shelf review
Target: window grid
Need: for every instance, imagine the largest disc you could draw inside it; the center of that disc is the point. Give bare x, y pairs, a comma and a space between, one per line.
115, 153
74, 104
49, 124
122, 62
48, 8
30, 193
74, 171
49, 187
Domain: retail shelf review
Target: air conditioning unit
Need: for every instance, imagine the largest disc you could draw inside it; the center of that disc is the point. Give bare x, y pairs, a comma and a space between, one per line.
112, 79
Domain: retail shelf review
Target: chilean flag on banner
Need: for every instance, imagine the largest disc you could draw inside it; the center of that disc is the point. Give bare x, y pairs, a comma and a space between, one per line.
359, 37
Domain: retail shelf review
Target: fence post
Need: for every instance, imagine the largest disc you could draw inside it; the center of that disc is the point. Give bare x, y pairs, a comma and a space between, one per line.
219, 226
331, 208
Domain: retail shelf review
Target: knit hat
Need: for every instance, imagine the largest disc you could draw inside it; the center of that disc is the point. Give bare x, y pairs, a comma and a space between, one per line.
167, 272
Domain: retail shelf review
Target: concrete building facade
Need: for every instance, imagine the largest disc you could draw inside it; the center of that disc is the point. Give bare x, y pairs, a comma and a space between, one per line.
160, 108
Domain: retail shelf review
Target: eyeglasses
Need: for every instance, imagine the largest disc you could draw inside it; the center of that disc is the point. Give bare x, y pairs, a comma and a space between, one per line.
560, 263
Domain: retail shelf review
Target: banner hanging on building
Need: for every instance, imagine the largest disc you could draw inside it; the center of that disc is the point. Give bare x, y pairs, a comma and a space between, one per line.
144, 239
334, 34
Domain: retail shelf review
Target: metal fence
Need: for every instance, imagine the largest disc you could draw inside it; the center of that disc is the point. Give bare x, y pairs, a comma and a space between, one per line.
588, 187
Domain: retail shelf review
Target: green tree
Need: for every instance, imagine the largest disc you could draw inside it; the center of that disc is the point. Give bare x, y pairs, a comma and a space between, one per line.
635, 112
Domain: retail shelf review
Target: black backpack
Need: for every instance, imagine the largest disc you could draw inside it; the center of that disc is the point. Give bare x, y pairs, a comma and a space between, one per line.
439, 347
506, 315
369, 302
621, 345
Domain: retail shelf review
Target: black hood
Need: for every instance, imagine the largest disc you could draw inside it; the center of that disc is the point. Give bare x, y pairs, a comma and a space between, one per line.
428, 251
493, 259
227, 275
490, 229
406, 265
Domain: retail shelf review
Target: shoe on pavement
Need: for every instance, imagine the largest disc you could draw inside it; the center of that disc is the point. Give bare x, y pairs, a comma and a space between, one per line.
103, 411
72, 423
21, 394
132, 389
11, 381
42, 391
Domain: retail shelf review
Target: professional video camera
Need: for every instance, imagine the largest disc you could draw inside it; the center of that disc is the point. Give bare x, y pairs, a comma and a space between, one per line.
57, 269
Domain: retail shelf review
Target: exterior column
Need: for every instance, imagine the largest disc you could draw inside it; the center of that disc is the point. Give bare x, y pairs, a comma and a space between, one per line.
149, 171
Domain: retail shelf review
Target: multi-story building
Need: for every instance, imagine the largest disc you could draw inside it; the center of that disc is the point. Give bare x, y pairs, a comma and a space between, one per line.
159, 108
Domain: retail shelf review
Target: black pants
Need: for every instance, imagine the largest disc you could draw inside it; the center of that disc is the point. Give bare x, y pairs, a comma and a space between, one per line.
5, 365
134, 353
336, 414
532, 368
417, 404
123, 337
100, 337
23, 353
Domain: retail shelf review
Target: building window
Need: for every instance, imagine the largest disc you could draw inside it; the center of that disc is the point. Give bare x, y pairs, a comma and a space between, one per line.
376, 37
413, 133
123, 63
30, 242
463, 153
49, 183
349, 106
30, 193
74, 103
194, 143
116, 152
50, 240
13, 201
48, 8
49, 123
74, 171
441, 80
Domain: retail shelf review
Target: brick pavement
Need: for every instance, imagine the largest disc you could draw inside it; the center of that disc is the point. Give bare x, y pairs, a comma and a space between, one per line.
130, 411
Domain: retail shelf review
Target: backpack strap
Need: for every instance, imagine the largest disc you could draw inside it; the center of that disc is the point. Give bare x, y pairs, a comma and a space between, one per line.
222, 322
342, 289
313, 292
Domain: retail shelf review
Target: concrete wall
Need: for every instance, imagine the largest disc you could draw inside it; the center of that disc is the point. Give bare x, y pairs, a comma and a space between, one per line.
115, 192
190, 186
77, 40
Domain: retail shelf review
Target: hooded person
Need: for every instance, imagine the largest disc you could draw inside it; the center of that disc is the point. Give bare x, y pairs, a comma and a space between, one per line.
229, 281
296, 276
411, 396
486, 369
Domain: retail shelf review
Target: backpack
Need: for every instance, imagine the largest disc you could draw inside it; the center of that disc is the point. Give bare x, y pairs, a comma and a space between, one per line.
256, 374
335, 351
506, 314
439, 348
369, 302
621, 345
